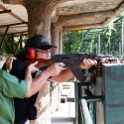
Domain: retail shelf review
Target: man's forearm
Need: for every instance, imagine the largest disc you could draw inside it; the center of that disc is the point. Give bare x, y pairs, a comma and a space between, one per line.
65, 75
28, 79
39, 81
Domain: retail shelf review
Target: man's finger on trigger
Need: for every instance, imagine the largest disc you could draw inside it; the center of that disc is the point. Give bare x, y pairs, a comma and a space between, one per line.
61, 64
36, 62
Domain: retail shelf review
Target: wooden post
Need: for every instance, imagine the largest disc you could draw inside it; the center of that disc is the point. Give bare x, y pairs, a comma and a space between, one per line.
122, 35
13, 44
120, 48
96, 48
4, 36
60, 41
98, 43
91, 47
20, 40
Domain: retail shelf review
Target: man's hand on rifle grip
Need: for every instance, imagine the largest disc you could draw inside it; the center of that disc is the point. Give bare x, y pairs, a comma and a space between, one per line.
87, 63
55, 68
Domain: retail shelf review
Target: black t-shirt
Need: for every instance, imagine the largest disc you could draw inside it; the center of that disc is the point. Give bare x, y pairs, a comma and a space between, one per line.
23, 107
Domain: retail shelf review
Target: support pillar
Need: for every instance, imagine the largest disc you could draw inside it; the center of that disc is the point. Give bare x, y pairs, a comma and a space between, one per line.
60, 40
98, 43
122, 35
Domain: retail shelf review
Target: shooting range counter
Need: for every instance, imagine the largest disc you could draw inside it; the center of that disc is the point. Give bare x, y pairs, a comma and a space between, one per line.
107, 97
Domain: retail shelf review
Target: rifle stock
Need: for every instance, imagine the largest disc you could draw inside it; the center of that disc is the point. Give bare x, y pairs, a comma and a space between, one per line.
41, 62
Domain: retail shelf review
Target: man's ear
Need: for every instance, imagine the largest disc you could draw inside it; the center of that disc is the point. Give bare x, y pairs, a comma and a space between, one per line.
30, 53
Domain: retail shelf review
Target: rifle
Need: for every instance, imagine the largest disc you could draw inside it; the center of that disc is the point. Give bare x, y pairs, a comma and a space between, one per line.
70, 60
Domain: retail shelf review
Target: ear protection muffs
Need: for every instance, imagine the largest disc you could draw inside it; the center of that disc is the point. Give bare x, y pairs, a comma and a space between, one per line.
31, 53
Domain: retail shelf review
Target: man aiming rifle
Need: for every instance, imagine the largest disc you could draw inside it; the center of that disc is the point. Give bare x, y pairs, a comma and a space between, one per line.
37, 47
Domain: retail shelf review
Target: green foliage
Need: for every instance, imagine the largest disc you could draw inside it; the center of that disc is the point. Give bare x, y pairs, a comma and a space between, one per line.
92, 43
110, 39
6, 48
72, 42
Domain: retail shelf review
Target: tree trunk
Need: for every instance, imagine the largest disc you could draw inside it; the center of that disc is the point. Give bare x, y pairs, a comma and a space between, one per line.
43, 106
55, 31
40, 15
39, 19
122, 35
39, 22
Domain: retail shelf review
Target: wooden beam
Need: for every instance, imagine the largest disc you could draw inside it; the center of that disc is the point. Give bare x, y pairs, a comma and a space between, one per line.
81, 27
5, 11
117, 11
4, 36
16, 33
14, 24
110, 14
70, 18
13, 1
22, 1
20, 41
12, 14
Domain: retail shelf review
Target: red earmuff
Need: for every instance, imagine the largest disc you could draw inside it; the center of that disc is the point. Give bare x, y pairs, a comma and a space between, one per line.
32, 53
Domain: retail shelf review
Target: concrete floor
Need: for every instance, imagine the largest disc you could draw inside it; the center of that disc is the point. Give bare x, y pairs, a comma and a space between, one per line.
65, 115
66, 112
63, 122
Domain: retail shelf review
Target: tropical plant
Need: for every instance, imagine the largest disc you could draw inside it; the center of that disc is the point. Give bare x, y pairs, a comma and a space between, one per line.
6, 48
72, 42
110, 40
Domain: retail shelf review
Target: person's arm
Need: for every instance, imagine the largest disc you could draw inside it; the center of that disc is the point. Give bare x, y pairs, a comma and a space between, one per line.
35, 84
67, 74
9, 62
28, 78
55, 72
28, 74
9, 81
40, 80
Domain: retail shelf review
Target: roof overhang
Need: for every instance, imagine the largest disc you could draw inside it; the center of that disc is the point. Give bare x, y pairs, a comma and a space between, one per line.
77, 14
